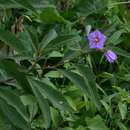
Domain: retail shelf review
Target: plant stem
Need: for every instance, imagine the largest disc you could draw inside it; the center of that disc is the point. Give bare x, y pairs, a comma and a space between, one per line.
119, 3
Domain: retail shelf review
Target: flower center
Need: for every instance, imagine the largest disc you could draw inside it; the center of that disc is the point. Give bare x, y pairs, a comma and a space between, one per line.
96, 40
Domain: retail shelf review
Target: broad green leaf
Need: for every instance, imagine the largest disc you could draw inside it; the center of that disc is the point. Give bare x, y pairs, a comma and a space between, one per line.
76, 79
31, 103
65, 39
121, 126
84, 85
107, 107
121, 52
61, 41
126, 77
90, 81
14, 101
48, 82
33, 35
123, 109
71, 102
55, 117
14, 42
42, 103
13, 115
48, 38
53, 95
54, 54
5, 124
51, 15
88, 7
96, 123
38, 123
87, 74
113, 40
81, 128
14, 70
25, 4
26, 39
28, 99
54, 74
19, 5
70, 55
8, 4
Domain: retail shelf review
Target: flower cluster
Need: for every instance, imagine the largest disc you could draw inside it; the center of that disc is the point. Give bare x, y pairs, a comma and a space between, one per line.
97, 41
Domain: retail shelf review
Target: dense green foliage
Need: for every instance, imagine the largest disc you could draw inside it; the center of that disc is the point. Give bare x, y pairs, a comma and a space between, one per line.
49, 77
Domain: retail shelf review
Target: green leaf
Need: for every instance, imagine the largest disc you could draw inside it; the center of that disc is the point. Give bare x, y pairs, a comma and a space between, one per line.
121, 126
54, 74
96, 123
70, 55
84, 85
121, 52
51, 15
5, 123
90, 81
14, 70
55, 117
126, 77
63, 40
33, 36
48, 38
52, 42
88, 7
25, 4
26, 40
71, 102
81, 128
43, 104
113, 40
14, 101
31, 103
54, 96
8, 4
20, 4
67, 128
107, 107
13, 115
15, 43
28, 99
123, 109
54, 54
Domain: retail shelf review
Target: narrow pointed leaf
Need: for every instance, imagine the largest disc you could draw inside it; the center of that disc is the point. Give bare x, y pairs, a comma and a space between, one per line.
90, 80
51, 15
48, 38
25, 4
43, 105
13, 70
13, 115
96, 123
53, 95
14, 101
123, 109
82, 84
11, 40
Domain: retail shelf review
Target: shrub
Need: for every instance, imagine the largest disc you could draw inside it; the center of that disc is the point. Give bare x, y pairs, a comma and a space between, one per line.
64, 65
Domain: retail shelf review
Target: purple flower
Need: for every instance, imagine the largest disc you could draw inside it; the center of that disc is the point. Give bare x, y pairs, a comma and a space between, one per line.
110, 56
96, 39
